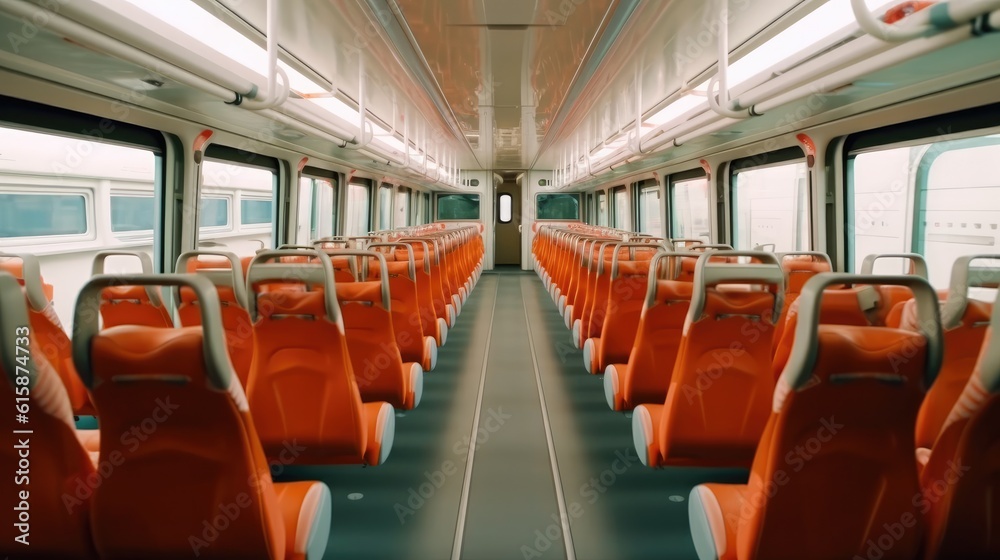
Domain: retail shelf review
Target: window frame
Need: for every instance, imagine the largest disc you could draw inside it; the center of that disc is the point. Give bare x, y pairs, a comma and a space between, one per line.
683, 177
510, 208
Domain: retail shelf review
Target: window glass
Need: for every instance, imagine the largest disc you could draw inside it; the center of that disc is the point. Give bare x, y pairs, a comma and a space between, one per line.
317, 204
226, 186
557, 207
771, 206
255, 211
385, 207
214, 213
506, 208
42, 215
458, 207
64, 198
427, 208
649, 211
602, 208
402, 218
690, 211
590, 208
358, 221
939, 199
132, 213
621, 208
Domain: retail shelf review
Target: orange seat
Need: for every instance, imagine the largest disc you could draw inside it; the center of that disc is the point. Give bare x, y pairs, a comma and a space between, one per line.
366, 308
432, 311
833, 476
302, 386
46, 329
50, 482
414, 344
626, 295
131, 305
226, 272
719, 394
960, 484
189, 477
646, 376
799, 267
965, 322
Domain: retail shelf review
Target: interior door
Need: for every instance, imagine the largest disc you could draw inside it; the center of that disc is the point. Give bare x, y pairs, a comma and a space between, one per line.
507, 247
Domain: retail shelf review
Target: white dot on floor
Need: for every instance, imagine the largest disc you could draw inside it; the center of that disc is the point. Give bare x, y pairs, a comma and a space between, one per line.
628, 415
676, 498
400, 414
355, 496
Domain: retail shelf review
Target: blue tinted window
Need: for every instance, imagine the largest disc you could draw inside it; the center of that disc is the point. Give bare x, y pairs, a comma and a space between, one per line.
214, 212
132, 213
255, 211
32, 215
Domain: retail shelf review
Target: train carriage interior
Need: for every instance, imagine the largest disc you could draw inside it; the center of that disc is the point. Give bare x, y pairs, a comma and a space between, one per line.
500, 279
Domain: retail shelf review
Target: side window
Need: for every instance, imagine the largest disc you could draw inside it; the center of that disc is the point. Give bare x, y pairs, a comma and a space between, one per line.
590, 208
65, 198
690, 209
385, 207
458, 207
317, 208
358, 219
650, 211
557, 207
427, 208
771, 206
621, 208
231, 186
402, 218
602, 208
934, 198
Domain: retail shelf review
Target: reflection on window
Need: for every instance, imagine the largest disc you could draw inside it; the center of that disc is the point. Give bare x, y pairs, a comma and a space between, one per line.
458, 207
31, 215
131, 213
384, 207
358, 210
602, 208
690, 212
214, 212
557, 207
938, 199
649, 211
771, 205
506, 208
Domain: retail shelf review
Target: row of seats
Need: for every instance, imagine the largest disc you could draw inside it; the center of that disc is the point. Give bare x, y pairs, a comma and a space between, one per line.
864, 405
286, 357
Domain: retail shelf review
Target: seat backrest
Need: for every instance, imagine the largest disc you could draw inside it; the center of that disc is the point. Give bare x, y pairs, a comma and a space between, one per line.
225, 271
131, 305
46, 329
406, 304
961, 481
658, 337
176, 425
720, 391
799, 267
837, 450
49, 492
626, 297
366, 309
302, 387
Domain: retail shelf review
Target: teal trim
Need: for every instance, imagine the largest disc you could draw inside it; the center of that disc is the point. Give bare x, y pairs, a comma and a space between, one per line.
940, 17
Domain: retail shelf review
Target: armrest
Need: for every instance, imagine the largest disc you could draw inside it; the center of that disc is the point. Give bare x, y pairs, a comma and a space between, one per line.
381, 420
714, 511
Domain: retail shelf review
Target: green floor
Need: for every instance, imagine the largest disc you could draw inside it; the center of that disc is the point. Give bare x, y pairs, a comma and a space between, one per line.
509, 343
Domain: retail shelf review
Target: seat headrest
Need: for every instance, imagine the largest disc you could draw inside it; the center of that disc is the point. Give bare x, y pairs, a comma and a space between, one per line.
218, 370
268, 268
798, 370
963, 277
224, 270
763, 270
145, 265
918, 265
27, 270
